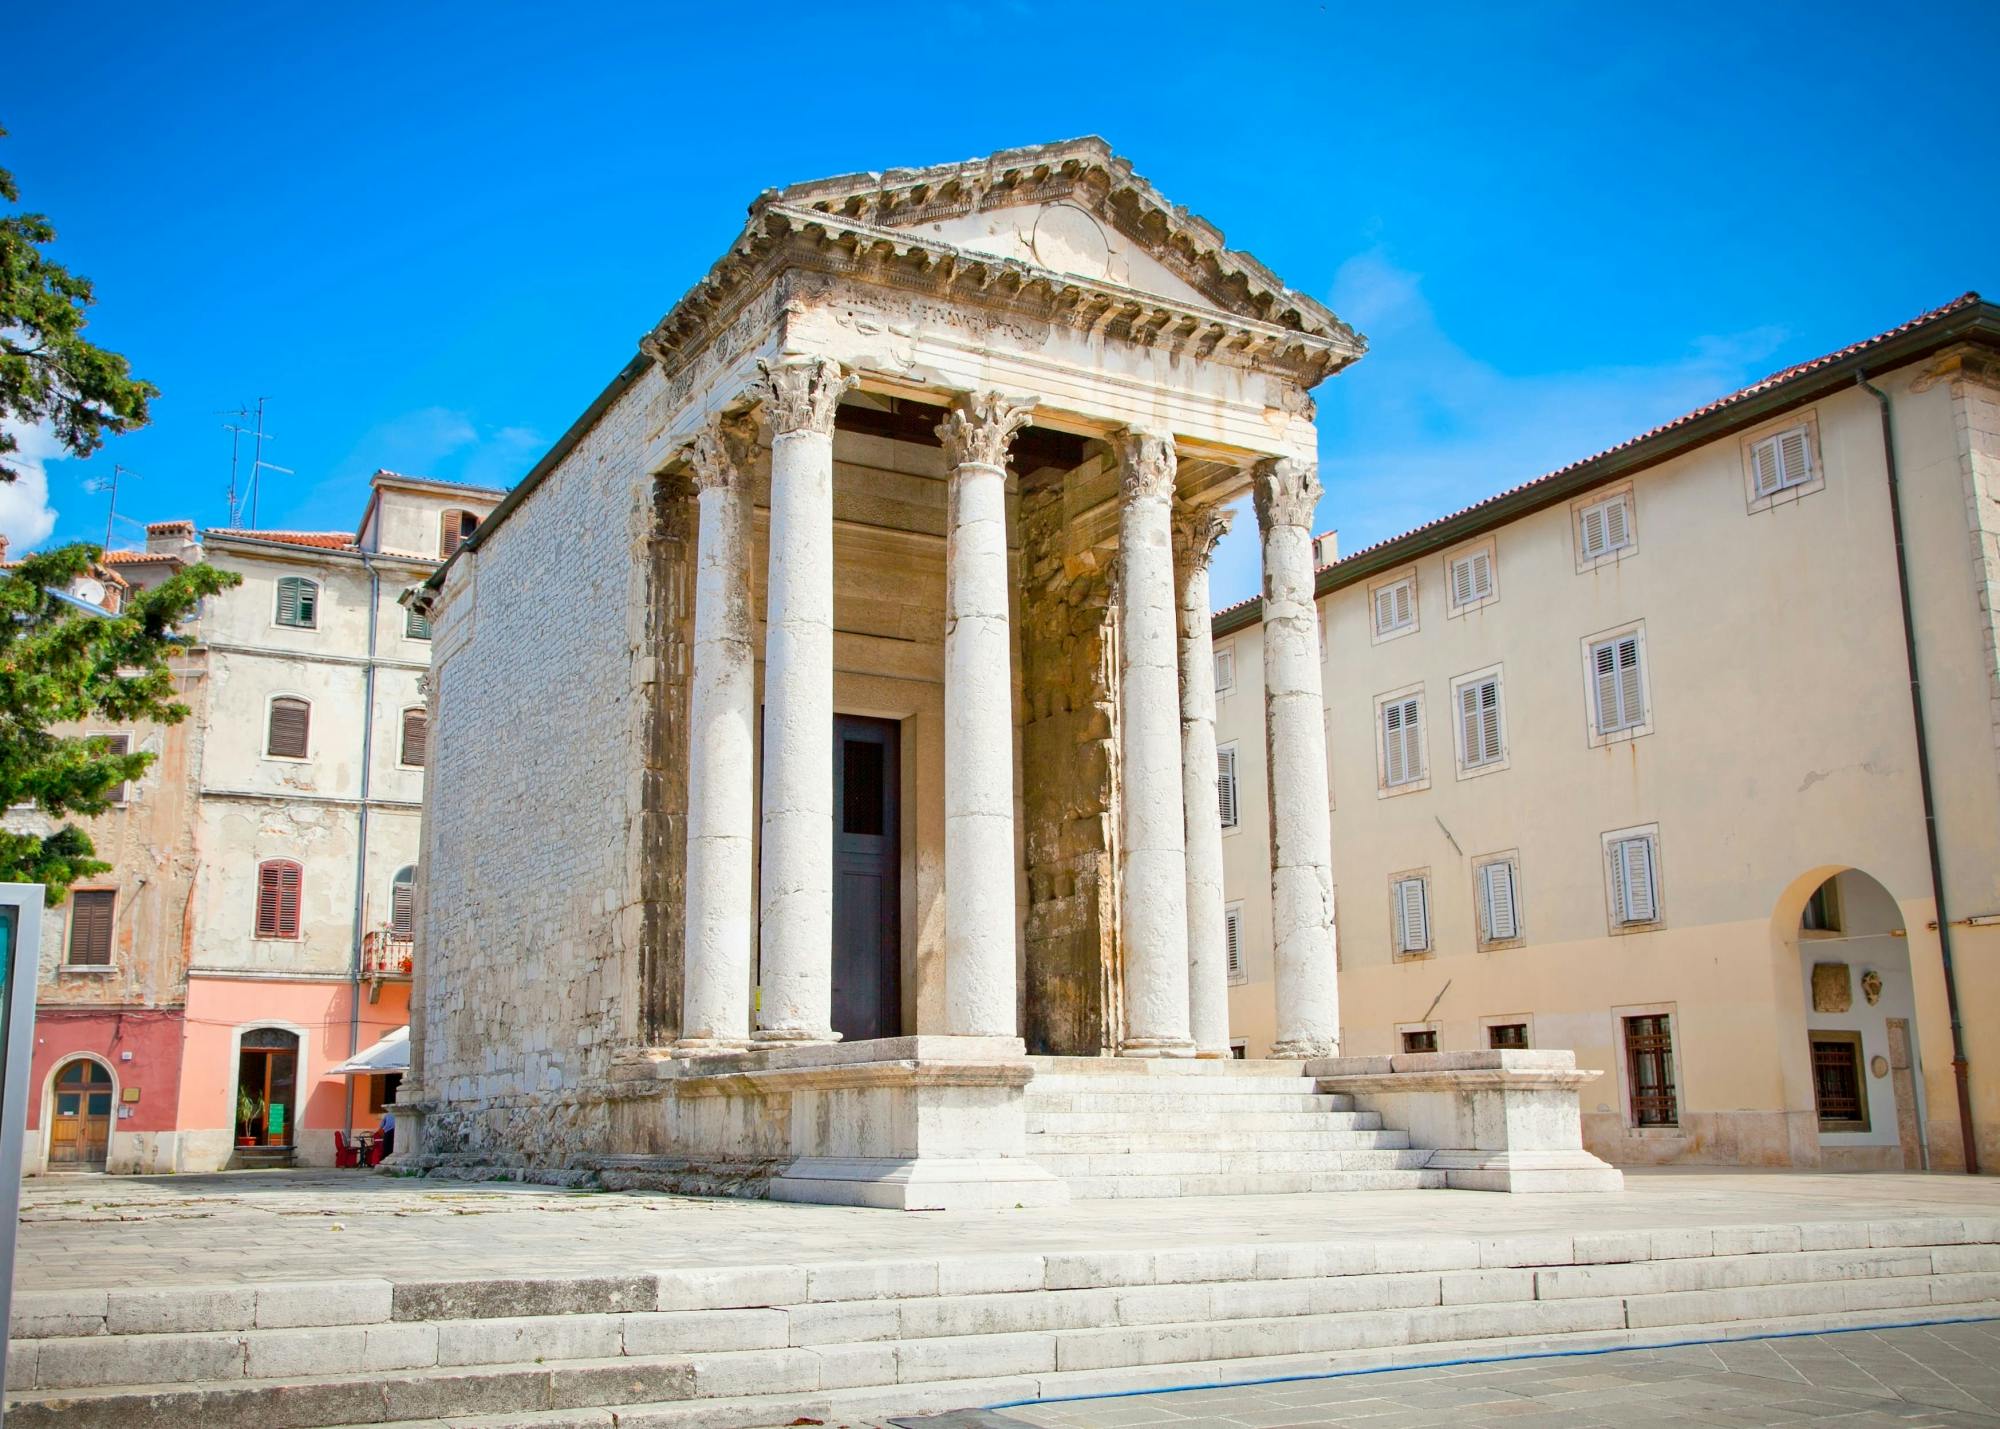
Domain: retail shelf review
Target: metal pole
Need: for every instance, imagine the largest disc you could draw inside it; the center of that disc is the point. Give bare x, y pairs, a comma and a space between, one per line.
20, 961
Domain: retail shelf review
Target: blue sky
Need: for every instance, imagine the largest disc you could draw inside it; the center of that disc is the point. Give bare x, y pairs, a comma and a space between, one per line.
430, 233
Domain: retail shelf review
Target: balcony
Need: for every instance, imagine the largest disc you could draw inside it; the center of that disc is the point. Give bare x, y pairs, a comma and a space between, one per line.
385, 956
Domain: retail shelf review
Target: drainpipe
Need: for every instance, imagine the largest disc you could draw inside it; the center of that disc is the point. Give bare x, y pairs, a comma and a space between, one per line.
361, 833
1959, 1066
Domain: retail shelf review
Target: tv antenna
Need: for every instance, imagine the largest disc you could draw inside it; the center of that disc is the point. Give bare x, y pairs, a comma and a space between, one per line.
258, 436
109, 483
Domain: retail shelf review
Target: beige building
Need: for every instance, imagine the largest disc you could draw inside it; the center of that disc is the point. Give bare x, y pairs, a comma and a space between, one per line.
254, 930
1624, 760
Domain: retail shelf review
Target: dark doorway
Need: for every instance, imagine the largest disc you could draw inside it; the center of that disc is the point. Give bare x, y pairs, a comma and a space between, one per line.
267, 1083
867, 878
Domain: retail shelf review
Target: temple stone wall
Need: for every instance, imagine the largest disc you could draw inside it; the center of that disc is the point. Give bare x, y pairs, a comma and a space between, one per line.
546, 784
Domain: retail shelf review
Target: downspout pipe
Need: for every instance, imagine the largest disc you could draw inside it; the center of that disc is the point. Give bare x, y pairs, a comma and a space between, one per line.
361, 831
1960, 1068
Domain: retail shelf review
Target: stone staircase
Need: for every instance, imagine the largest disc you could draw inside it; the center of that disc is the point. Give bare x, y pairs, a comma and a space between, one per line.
777, 1344
1116, 1127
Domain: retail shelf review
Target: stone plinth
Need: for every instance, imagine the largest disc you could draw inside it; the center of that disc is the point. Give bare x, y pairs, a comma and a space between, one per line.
1493, 1121
904, 1123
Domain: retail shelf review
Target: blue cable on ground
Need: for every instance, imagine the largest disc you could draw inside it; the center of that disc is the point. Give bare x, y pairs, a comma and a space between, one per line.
1487, 1359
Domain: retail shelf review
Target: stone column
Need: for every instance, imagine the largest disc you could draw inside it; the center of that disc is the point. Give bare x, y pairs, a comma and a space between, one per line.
979, 998
795, 912
1152, 859
1308, 986
1196, 530
722, 724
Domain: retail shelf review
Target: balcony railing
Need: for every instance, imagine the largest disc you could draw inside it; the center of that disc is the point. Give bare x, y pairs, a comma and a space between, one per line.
385, 955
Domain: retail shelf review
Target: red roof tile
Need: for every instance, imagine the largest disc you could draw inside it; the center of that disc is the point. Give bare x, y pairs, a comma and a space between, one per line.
323, 540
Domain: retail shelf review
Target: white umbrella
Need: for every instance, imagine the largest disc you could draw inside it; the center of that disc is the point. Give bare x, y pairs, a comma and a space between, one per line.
391, 1054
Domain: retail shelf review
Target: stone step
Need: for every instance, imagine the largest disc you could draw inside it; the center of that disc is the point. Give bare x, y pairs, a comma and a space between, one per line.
1200, 1069
1224, 1088
1105, 1162
1184, 1103
1152, 1327
1263, 1183
1150, 1122
1279, 1139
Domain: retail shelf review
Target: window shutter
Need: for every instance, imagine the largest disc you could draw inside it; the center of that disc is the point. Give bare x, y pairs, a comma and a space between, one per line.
288, 601
1590, 526
1225, 669
403, 903
1413, 934
416, 735
1497, 893
1413, 748
1767, 471
453, 528
1479, 721
1461, 581
119, 744
1630, 706
1232, 930
1402, 747
1794, 458
1617, 526
1632, 861
1471, 578
278, 887
1405, 593
90, 924
290, 728
416, 625
1468, 725
1225, 785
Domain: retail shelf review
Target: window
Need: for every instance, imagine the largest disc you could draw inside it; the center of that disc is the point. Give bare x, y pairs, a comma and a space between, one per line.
1839, 1089
1635, 883
1225, 785
1617, 682
1420, 1039
1649, 1064
382, 1091
1402, 740
1232, 935
90, 922
118, 744
1225, 669
1781, 462
1480, 744
289, 728
1395, 606
416, 736
416, 625
1822, 911
1499, 908
1412, 906
453, 528
1472, 578
298, 602
1512, 1035
278, 882
1604, 528
403, 902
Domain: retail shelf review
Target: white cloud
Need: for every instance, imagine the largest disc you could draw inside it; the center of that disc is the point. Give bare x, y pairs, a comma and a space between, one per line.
1421, 427
26, 518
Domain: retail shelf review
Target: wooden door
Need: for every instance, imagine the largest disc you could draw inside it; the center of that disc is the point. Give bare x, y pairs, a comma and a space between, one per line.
80, 1131
867, 878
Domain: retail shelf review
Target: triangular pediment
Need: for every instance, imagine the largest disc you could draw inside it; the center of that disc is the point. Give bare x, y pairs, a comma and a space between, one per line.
1073, 208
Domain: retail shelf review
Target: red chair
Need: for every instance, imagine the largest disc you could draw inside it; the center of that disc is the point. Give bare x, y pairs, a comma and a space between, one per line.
345, 1152
378, 1147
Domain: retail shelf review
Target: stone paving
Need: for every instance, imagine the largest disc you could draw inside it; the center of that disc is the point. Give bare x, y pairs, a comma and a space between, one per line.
1939, 1375
96, 1231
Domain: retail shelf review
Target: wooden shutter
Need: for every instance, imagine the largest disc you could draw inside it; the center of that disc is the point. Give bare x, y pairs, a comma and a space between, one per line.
454, 527
119, 744
298, 602
416, 625
1616, 679
1590, 532
1471, 578
278, 886
1767, 471
90, 924
403, 902
1496, 896
1413, 933
1479, 721
1631, 705
1617, 525
1385, 610
1632, 873
1402, 745
416, 735
1225, 785
290, 728
1232, 931
1794, 458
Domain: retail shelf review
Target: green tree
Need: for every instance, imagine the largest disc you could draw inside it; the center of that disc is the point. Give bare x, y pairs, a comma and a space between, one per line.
48, 371
60, 665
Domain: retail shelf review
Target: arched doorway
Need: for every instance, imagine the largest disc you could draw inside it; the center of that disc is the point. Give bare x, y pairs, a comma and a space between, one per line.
267, 1087
1860, 1014
80, 1120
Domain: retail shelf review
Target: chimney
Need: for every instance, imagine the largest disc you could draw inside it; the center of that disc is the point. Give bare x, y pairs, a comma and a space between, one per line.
1326, 549
169, 537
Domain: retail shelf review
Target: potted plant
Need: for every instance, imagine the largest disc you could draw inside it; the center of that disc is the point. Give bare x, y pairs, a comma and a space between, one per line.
248, 1109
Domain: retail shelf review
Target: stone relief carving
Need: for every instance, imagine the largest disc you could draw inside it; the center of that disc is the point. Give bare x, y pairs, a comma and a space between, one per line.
980, 429
1286, 491
1871, 986
802, 394
1832, 990
1196, 531
1146, 465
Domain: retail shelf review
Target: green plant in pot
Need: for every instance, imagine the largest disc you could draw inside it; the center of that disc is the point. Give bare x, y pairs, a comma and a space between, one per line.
248, 1110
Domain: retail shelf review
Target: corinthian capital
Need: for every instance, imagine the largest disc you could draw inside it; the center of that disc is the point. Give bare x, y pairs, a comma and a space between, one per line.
723, 450
1286, 491
1146, 465
800, 394
1197, 529
981, 428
